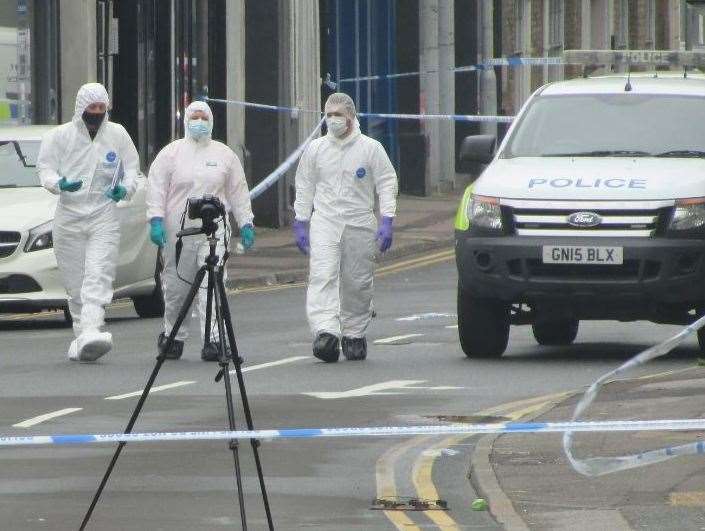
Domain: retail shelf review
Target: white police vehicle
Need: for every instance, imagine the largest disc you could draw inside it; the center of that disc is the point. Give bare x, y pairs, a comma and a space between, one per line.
593, 207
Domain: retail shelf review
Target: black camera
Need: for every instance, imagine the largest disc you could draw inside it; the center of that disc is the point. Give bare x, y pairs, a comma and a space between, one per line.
207, 208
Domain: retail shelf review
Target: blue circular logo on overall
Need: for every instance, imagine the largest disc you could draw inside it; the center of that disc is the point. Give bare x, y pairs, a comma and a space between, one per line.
361, 172
111, 156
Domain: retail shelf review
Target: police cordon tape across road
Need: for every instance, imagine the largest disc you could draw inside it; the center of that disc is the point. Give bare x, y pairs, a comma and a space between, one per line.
375, 431
593, 466
652, 58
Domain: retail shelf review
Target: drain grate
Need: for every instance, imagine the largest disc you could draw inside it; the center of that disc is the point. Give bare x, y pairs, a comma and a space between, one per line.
398, 503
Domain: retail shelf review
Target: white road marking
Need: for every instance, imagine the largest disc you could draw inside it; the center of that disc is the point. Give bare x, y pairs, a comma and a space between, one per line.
189, 382
153, 390
394, 339
368, 390
272, 364
47, 416
425, 316
440, 388
452, 327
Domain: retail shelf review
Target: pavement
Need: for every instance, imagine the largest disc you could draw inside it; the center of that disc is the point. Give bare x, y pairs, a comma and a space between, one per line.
544, 492
423, 224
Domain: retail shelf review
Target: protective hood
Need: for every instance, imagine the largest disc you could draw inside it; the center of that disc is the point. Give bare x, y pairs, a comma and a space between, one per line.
354, 134
88, 94
192, 108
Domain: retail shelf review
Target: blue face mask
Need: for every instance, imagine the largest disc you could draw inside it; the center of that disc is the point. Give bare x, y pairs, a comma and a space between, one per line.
198, 128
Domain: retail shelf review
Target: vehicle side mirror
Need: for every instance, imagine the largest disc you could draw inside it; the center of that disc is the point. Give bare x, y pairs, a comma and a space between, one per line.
478, 149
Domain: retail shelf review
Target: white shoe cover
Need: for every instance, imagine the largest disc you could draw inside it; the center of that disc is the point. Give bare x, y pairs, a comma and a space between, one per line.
92, 345
73, 350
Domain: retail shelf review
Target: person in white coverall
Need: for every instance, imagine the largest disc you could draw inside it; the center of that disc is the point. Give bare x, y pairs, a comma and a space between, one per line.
336, 182
92, 164
192, 167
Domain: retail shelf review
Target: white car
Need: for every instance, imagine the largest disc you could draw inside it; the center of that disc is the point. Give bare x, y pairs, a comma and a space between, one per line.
593, 207
29, 277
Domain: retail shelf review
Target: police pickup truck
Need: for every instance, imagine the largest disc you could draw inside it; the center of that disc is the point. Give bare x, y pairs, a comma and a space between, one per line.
593, 207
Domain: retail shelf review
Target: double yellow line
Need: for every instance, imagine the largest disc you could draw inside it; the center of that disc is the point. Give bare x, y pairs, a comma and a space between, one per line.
421, 261
422, 468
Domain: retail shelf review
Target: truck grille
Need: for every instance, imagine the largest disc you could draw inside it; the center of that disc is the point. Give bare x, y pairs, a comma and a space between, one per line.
615, 219
8, 242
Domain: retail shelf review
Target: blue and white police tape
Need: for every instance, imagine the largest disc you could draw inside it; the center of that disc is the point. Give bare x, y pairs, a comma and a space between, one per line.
447, 117
375, 431
386, 116
478, 67
263, 106
569, 57
598, 466
273, 177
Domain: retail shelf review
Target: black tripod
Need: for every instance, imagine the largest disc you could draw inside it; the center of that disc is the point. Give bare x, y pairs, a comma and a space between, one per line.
223, 318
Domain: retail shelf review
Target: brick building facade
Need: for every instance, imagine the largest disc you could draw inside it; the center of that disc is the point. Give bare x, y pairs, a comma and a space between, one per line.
544, 28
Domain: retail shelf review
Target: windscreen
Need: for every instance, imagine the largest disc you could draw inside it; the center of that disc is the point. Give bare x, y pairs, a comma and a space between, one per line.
610, 124
17, 163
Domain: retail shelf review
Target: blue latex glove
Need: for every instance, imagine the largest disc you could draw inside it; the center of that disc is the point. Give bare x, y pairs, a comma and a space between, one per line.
385, 234
117, 194
301, 235
247, 236
69, 186
156, 232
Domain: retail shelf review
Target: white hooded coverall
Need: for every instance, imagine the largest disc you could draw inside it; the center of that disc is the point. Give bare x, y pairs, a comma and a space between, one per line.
337, 180
192, 168
86, 231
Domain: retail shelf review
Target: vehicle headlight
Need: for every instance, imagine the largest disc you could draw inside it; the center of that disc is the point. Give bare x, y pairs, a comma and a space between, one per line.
485, 212
689, 214
40, 238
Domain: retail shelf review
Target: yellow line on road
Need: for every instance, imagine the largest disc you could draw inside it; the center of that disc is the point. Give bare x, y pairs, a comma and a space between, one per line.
386, 484
420, 261
422, 471
422, 475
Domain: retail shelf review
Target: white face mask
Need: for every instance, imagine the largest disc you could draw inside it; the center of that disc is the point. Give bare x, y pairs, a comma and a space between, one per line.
337, 125
198, 128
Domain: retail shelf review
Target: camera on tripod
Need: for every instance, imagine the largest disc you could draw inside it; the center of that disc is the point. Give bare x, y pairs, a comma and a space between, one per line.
208, 209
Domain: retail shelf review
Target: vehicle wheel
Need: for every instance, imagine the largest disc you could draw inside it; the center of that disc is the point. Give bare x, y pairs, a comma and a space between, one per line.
483, 326
556, 332
152, 305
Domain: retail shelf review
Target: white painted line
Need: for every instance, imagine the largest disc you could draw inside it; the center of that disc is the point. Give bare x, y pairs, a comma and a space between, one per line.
368, 390
452, 327
426, 316
153, 390
394, 339
48, 416
272, 364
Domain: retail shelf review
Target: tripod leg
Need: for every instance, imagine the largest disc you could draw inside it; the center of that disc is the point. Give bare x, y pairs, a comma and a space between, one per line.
209, 311
227, 321
224, 362
143, 398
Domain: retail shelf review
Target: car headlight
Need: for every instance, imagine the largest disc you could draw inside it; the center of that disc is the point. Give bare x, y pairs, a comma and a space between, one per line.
40, 238
485, 212
689, 214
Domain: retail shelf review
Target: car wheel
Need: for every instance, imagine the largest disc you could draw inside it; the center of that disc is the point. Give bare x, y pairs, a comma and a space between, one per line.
152, 305
483, 326
556, 333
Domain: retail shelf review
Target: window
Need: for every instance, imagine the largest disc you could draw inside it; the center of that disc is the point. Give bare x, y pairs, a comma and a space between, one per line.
621, 34
650, 24
555, 27
28, 61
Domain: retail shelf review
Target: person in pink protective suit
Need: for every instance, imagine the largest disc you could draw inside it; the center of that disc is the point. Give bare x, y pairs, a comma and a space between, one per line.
192, 167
